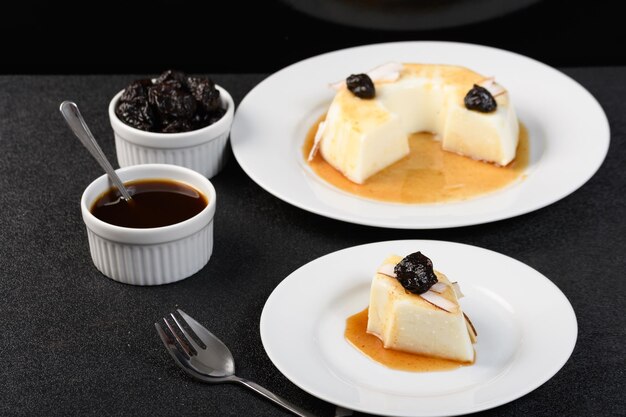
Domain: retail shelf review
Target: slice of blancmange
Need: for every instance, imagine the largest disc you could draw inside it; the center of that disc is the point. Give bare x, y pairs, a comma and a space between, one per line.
408, 322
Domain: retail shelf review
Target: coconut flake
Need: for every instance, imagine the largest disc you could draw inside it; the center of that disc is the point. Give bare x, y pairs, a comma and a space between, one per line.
470, 329
439, 287
439, 301
386, 72
492, 86
387, 269
338, 85
317, 140
457, 290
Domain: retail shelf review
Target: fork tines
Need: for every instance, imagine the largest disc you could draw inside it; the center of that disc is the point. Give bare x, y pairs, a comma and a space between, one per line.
179, 337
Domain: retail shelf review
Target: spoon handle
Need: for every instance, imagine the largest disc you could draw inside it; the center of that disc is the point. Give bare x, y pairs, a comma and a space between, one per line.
271, 396
72, 116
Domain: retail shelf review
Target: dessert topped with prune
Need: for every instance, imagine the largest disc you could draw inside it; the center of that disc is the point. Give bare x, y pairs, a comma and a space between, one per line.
414, 308
369, 123
173, 103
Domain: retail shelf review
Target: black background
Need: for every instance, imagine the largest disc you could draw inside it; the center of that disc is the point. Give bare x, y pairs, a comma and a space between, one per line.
264, 36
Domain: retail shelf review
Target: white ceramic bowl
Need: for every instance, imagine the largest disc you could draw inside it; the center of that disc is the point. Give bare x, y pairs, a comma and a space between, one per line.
157, 255
203, 150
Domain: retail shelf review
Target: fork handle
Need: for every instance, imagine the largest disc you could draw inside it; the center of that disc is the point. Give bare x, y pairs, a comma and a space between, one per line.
271, 396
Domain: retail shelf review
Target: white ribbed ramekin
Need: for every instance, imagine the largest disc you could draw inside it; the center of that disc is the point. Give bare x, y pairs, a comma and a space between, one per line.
157, 255
203, 150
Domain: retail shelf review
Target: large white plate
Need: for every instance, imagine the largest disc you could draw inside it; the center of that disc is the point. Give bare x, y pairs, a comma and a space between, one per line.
569, 134
526, 332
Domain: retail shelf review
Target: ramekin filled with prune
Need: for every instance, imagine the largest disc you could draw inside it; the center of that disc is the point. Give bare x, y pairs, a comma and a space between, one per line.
173, 119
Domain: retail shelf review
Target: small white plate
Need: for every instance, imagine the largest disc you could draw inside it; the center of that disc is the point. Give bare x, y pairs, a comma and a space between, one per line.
526, 332
568, 131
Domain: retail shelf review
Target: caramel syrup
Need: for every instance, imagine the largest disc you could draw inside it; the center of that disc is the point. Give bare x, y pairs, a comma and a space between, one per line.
155, 203
372, 347
428, 174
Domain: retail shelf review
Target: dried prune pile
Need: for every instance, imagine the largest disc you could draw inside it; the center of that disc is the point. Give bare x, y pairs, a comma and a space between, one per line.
480, 99
415, 273
173, 103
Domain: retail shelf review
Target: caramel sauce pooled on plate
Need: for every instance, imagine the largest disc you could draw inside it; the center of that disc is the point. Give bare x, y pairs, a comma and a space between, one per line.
428, 174
372, 347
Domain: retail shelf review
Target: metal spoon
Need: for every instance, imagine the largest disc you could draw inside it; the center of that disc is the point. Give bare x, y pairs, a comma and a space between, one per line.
72, 116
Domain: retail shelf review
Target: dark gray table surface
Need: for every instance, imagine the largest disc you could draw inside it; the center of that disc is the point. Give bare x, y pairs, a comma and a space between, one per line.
77, 343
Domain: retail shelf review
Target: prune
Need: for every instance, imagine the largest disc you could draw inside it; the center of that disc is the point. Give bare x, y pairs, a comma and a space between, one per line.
137, 114
176, 126
480, 99
204, 91
136, 89
415, 273
172, 77
361, 85
173, 103
216, 115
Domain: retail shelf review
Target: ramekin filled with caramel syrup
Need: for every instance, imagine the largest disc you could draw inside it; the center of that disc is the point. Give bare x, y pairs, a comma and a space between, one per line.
164, 234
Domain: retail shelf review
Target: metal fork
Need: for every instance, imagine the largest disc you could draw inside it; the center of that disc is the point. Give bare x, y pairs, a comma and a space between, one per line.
213, 362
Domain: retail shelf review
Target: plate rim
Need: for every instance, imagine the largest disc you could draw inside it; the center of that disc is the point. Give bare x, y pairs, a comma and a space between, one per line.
448, 22
459, 221
546, 376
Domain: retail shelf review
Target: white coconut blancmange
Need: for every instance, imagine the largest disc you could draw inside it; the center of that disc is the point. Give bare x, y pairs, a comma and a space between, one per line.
361, 137
430, 324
